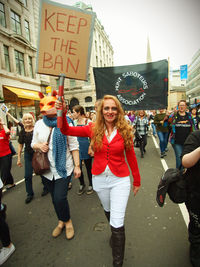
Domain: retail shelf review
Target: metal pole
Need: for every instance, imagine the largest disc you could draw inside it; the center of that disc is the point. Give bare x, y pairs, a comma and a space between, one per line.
60, 96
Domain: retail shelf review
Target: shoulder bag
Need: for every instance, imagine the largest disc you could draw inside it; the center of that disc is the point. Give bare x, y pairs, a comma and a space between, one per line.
40, 161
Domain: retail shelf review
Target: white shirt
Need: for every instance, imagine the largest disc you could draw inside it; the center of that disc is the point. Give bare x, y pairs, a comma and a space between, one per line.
1, 184
40, 135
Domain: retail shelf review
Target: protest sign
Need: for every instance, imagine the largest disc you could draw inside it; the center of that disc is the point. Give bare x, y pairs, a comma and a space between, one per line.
65, 40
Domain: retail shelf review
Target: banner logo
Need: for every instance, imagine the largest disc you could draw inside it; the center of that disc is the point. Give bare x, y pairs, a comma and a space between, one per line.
130, 88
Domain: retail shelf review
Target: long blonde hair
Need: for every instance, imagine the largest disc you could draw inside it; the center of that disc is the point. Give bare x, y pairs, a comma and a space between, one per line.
98, 129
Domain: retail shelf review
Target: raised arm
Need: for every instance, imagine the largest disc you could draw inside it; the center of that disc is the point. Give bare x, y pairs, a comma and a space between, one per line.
82, 131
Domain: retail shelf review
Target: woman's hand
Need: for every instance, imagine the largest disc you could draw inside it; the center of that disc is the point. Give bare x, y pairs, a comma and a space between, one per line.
60, 104
19, 164
44, 147
135, 189
77, 172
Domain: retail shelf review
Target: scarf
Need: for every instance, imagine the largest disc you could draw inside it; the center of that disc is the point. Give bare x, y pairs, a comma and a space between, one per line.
59, 146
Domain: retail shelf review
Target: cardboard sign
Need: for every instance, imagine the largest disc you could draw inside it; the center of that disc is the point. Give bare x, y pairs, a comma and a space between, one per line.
65, 40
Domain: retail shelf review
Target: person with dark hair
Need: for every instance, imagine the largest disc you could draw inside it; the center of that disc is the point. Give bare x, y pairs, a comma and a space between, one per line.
80, 120
8, 247
191, 161
111, 138
181, 125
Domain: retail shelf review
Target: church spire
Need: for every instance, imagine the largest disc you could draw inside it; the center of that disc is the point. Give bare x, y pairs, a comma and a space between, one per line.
149, 59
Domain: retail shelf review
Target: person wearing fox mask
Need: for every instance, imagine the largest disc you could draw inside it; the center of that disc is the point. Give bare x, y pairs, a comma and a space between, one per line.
62, 151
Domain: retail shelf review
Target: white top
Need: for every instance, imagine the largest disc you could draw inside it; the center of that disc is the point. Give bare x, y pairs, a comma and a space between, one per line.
1, 184
40, 135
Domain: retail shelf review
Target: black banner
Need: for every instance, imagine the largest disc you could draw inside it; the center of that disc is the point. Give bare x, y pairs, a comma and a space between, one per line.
141, 86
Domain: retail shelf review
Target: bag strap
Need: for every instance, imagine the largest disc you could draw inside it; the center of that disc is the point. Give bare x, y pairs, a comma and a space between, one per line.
49, 135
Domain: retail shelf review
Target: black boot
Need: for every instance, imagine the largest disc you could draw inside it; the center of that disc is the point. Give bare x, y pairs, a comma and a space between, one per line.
194, 249
107, 213
118, 245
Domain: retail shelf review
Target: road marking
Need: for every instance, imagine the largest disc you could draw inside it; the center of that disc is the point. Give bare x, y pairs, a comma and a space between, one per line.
181, 206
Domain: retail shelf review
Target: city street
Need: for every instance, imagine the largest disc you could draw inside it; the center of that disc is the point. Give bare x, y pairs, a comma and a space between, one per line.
155, 236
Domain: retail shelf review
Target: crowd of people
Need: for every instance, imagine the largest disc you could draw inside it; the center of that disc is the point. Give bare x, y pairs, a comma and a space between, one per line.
99, 141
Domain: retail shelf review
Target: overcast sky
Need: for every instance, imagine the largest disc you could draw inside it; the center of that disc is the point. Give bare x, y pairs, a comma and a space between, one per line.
172, 26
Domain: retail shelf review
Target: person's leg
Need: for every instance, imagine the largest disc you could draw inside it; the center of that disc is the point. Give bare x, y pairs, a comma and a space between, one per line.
28, 176
144, 142
193, 206
166, 137
178, 151
6, 176
161, 141
154, 129
81, 180
45, 190
61, 206
88, 165
119, 198
141, 147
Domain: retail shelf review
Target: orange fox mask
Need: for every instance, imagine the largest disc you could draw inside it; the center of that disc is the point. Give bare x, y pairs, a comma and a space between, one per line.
47, 104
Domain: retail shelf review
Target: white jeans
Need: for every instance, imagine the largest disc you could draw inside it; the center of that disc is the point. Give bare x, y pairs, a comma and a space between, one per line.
113, 193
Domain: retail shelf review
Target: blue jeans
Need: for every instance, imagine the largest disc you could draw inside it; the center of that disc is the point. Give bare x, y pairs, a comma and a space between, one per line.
28, 173
178, 151
153, 128
58, 189
163, 138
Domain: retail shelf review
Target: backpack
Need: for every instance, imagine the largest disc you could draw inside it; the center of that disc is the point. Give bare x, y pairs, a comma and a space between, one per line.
173, 182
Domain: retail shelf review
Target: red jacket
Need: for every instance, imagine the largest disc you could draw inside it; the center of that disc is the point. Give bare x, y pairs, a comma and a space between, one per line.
111, 154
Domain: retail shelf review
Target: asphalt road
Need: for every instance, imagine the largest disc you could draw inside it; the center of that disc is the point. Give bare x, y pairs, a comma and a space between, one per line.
155, 236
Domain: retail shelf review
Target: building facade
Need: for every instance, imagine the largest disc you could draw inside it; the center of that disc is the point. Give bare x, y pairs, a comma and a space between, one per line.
193, 81
19, 20
19, 81
177, 89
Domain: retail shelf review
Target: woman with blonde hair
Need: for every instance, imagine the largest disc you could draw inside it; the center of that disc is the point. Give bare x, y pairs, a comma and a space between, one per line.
111, 136
25, 138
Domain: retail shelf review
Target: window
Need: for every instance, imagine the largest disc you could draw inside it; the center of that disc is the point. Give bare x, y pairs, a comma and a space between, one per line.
15, 23
19, 58
6, 55
88, 99
72, 83
24, 2
30, 66
27, 30
2, 15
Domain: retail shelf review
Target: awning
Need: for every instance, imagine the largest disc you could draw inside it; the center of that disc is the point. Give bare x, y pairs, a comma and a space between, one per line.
24, 93
19, 96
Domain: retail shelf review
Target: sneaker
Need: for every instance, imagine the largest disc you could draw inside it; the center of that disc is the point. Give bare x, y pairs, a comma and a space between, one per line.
6, 253
90, 190
44, 192
162, 155
81, 190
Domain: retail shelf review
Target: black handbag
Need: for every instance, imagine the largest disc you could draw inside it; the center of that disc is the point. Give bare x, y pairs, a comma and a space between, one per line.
40, 161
